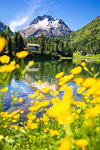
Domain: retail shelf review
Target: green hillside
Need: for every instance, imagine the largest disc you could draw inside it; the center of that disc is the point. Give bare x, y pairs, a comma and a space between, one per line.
87, 39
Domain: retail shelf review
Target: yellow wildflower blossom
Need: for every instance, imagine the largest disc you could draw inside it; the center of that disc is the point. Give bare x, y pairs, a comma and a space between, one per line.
59, 75
4, 89
76, 70
39, 81
31, 116
7, 68
92, 112
32, 125
36, 93
15, 98
35, 107
20, 99
66, 78
81, 142
21, 111
80, 90
54, 93
63, 87
53, 132
65, 144
44, 103
46, 89
83, 64
1, 137
22, 54
2, 43
31, 63
88, 82
4, 59
61, 110
55, 100
78, 81
31, 95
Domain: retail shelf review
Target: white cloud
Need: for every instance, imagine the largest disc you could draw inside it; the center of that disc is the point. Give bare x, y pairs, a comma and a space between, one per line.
18, 22
22, 20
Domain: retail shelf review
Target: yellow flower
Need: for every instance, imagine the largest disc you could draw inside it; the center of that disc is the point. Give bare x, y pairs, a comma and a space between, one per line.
2, 43
53, 132
63, 87
32, 125
15, 98
80, 90
4, 59
35, 107
55, 100
61, 110
76, 70
44, 103
7, 68
54, 93
78, 81
65, 144
22, 111
66, 78
20, 99
4, 89
88, 82
31, 95
31, 116
22, 54
32, 101
11, 91
83, 64
1, 137
59, 75
92, 112
81, 142
31, 63
16, 116
39, 82
46, 89
79, 103
36, 93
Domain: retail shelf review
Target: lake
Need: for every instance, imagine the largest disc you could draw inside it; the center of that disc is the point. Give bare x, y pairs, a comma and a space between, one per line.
44, 71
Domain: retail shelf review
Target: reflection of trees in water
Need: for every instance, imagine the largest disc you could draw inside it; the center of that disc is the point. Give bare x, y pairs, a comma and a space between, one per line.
48, 70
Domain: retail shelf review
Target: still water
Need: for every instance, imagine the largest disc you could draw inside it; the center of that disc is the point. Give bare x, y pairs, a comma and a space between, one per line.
44, 71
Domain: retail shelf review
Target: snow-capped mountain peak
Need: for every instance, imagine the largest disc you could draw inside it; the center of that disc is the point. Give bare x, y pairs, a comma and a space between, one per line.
47, 25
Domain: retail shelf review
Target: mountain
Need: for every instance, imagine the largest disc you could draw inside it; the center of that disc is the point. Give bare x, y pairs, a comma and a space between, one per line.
87, 39
47, 25
2, 26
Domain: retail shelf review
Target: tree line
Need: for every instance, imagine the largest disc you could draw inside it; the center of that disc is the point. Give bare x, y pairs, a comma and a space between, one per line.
15, 42
52, 45
47, 45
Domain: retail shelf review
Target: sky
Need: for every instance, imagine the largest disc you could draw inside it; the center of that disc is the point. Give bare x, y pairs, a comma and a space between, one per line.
75, 13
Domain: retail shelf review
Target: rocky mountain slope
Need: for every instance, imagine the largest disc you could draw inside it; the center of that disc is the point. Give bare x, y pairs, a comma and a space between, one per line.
47, 25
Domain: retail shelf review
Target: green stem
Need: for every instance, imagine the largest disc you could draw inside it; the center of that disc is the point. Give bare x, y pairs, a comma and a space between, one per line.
2, 103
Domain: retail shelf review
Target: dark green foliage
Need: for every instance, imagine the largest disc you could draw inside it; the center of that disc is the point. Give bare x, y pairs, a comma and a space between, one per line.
51, 45
86, 40
18, 42
42, 43
9, 45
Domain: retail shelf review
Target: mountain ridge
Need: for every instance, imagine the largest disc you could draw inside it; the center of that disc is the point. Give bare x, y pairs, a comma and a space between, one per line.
47, 25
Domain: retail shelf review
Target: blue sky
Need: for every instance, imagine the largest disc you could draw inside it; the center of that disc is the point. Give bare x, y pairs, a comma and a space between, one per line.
75, 13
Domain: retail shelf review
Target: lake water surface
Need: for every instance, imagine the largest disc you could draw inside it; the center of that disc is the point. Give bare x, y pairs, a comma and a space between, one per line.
44, 71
